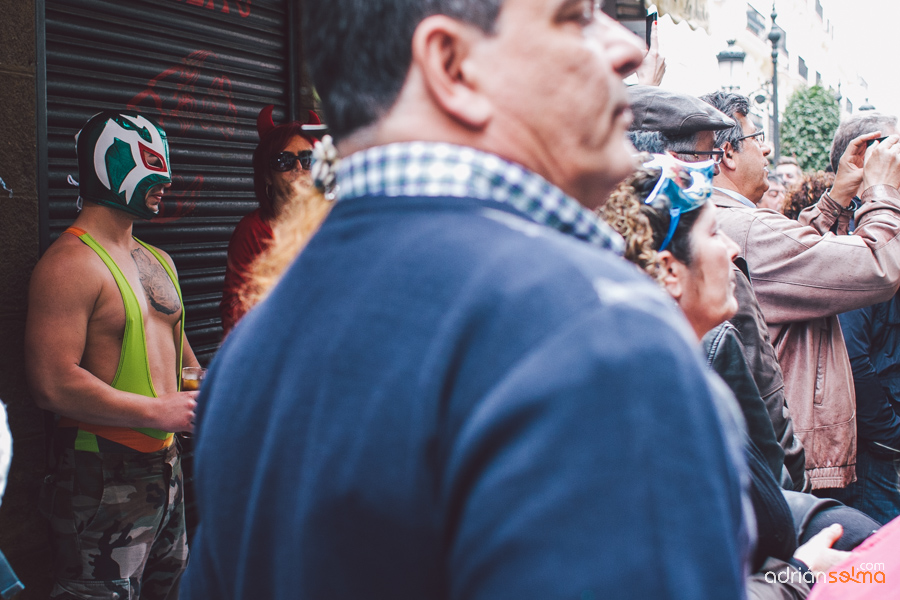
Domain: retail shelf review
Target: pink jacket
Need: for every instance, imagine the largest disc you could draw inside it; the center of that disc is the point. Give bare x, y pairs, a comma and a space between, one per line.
804, 276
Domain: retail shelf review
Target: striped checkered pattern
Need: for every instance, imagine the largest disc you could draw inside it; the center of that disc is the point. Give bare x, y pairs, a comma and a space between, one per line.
427, 169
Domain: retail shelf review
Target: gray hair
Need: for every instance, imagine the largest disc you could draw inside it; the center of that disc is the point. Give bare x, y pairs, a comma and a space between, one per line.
680, 143
656, 142
647, 141
854, 127
731, 104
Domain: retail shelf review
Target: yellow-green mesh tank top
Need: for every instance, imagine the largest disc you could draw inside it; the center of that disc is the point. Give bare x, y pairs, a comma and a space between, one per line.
133, 373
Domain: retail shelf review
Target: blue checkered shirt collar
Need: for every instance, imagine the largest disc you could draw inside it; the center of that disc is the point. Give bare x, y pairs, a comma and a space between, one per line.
428, 169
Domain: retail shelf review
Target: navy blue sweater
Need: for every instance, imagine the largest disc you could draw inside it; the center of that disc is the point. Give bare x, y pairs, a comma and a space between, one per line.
872, 335
442, 399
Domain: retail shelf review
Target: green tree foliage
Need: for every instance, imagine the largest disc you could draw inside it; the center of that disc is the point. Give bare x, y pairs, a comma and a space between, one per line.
807, 128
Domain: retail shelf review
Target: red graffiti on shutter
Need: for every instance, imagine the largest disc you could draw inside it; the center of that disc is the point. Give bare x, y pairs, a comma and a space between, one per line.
243, 6
181, 200
192, 102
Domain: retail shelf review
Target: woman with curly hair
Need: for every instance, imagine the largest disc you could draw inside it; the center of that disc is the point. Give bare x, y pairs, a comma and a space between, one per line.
806, 191
670, 230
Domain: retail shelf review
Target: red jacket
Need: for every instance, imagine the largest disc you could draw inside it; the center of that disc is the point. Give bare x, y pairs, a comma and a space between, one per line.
251, 238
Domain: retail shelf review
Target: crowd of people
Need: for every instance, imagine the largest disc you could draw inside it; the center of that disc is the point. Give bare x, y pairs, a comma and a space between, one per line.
534, 334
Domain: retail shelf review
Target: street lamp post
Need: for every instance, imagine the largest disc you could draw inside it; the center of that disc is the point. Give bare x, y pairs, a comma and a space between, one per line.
731, 62
774, 38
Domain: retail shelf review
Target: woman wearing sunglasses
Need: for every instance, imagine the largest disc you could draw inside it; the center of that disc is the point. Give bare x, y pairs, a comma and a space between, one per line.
281, 179
670, 231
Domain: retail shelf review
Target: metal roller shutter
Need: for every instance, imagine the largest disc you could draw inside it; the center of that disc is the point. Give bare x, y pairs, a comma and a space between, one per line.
203, 69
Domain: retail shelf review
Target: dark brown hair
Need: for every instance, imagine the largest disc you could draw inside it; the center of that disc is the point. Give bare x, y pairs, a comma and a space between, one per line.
359, 71
806, 192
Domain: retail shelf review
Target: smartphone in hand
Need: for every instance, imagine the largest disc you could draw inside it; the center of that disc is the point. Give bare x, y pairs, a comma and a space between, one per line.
651, 18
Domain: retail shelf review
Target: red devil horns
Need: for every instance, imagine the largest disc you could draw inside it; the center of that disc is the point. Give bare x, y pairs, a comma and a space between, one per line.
313, 119
265, 123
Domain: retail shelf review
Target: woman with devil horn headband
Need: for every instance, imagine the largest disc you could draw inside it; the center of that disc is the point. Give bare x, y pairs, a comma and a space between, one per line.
281, 177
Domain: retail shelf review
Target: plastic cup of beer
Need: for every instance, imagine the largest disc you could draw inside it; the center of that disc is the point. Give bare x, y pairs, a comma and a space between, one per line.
191, 378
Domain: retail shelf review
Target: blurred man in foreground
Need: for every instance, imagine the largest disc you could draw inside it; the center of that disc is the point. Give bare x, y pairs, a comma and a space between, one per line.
459, 390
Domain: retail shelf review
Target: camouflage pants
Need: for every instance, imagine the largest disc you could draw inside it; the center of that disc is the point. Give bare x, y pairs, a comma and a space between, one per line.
118, 525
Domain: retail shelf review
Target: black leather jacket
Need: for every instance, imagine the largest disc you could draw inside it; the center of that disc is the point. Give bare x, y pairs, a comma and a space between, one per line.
725, 354
763, 363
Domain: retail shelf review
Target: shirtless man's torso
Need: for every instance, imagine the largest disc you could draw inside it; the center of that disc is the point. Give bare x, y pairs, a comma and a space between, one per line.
104, 355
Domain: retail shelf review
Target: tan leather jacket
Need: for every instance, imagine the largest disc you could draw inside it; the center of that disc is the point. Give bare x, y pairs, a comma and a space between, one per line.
803, 277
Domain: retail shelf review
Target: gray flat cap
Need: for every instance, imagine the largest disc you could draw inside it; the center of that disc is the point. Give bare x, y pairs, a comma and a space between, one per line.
673, 114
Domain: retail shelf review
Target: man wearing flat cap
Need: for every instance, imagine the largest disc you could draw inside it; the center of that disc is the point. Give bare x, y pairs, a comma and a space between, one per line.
686, 126
666, 121
677, 116
804, 275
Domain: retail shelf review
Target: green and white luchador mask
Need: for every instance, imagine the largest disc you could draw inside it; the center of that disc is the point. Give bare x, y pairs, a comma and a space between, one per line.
121, 155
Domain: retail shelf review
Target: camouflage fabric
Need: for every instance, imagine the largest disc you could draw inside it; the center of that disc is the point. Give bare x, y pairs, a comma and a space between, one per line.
118, 525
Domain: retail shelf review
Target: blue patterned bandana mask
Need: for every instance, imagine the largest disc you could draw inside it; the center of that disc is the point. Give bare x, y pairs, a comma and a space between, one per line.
681, 188
121, 156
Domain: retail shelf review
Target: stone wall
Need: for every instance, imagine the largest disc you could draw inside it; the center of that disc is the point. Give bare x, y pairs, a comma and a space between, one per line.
23, 533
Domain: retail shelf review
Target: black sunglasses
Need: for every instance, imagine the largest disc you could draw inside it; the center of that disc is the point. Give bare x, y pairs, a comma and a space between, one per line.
285, 160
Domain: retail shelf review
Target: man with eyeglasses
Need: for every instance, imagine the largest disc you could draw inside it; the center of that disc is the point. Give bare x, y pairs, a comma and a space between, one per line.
804, 275
666, 121
685, 126
743, 175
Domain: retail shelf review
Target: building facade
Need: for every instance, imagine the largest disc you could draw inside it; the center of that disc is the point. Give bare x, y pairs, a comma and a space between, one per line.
693, 32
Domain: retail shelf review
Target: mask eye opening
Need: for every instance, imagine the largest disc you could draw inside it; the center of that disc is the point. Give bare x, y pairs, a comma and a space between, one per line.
145, 151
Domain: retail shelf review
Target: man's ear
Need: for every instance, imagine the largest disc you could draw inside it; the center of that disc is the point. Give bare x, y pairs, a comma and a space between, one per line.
728, 159
673, 272
441, 49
